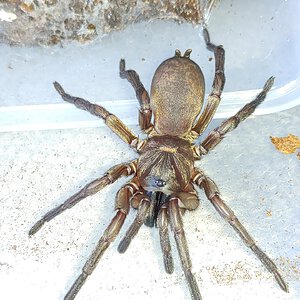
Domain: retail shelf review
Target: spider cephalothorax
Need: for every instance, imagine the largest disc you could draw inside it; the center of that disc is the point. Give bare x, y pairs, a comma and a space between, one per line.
164, 176
166, 164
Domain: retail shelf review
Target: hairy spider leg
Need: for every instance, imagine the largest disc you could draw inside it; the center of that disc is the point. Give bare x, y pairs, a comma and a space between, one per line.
90, 189
182, 246
113, 122
216, 135
212, 193
107, 238
163, 224
122, 206
217, 87
139, 220
188, 200
145, 112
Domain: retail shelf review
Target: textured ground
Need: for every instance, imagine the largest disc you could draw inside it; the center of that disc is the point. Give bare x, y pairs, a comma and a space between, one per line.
39, 169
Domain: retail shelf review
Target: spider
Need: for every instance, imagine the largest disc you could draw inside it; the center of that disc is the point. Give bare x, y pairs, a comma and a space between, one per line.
164, 176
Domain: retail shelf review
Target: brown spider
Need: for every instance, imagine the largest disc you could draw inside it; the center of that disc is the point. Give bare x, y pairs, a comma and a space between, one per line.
164, 176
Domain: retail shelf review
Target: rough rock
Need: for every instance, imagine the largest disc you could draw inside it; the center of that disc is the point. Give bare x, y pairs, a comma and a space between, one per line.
49, 22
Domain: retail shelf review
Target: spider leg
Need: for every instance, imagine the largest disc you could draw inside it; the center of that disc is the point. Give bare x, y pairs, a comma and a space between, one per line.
139, 220
216, 136
90, 189
162, 224
212, 193
177, 227
217, 87
108, 236
145, 112
188, 198
113, 122
122, 206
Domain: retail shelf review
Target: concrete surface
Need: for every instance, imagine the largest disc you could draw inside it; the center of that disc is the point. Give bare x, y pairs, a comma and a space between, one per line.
39, 169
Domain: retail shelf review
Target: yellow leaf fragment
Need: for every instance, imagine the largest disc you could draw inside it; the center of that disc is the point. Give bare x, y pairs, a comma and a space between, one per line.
286, 145
269, 213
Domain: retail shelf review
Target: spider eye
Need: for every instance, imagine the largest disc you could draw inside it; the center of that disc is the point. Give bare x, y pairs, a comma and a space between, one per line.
160, 182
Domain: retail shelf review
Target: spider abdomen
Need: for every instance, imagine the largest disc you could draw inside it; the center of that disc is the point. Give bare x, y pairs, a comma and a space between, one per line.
177, 93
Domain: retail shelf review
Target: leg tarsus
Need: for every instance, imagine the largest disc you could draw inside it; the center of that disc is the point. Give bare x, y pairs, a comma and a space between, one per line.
217, 87
36, 227
268, 85
272, 268
209, 45
90, 189
81, 103
122, 68
212, 193
206, 35
113, 122
249, 108
59, 88
107, 238
136, 225
194, 289
162, 224
77, 285
145, 112
216, 135
177, 227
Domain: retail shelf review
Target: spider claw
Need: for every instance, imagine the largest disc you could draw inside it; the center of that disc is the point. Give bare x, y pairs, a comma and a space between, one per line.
122, 68
206, 36
36, 227
124, 244
209, 45
59, 88
283, 285
74, 289
194, 289
169, 264
269, 84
